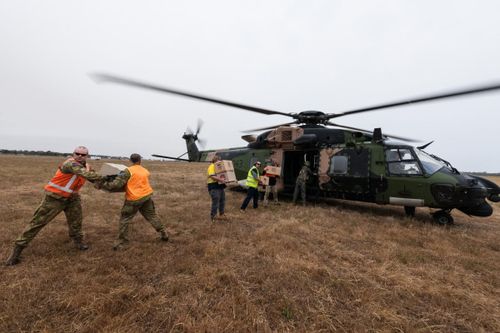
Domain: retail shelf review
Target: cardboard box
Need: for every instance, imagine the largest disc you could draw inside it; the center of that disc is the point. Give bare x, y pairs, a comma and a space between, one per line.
273, 170
223, 166
264, 180
228, 176
111, 169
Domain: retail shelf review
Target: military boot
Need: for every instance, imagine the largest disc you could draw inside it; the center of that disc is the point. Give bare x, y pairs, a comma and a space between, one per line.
164, 236
80, 244
15, 256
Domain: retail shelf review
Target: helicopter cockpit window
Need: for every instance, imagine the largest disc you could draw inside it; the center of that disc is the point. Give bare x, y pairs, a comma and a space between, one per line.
430, 164
338, 165
400, 161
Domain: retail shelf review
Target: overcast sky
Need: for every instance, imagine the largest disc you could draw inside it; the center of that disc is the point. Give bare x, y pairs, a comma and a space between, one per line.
288, 56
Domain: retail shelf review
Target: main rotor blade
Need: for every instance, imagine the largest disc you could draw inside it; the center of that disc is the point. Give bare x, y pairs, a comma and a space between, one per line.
129, 82
455, 93
266, 128
369, 132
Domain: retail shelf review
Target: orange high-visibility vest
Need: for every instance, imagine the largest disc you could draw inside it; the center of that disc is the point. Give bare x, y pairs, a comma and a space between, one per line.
66, 184
138, 184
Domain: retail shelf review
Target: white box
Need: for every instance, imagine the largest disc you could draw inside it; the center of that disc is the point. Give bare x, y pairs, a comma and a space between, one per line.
111, 169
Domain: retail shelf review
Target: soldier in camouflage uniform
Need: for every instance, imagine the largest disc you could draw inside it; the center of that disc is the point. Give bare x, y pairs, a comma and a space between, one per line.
138, 198
61, 194
300, 184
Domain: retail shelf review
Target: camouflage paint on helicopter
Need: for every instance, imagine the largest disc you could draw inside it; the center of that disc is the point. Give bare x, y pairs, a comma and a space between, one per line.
357, 166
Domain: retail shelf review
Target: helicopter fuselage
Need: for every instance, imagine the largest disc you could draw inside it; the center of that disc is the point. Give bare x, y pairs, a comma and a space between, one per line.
353, 166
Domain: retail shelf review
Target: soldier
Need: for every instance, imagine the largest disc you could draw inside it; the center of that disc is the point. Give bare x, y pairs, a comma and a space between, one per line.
252, 183
216, 188
300, 184
138, 197
61, 194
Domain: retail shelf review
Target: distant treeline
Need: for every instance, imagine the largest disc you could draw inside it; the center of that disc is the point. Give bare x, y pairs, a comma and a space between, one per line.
50, 153
484, 173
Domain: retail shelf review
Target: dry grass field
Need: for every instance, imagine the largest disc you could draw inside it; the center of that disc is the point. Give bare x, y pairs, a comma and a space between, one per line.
330, 267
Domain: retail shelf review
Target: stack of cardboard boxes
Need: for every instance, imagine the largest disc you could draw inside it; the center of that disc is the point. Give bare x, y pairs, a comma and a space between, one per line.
225, 170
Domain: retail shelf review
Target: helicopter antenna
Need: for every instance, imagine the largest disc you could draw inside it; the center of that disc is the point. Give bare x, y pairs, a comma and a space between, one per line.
425, 146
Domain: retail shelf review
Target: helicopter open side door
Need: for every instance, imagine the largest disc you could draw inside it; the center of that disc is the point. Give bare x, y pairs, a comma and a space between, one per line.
293, 162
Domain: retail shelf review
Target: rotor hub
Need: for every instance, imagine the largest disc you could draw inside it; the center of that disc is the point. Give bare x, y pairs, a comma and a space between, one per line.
311, 117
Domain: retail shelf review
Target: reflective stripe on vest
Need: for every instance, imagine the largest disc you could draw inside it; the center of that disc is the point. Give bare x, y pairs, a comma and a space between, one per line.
66, 188
252, 182
138, 184
65, 184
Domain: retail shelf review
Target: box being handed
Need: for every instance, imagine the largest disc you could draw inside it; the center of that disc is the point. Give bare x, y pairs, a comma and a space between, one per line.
223, 166
228, 176
273, 170
264, 180
111, 169
225, 170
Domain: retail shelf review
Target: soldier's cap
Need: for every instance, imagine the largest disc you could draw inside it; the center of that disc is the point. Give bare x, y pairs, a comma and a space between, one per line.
134, 158
82, 150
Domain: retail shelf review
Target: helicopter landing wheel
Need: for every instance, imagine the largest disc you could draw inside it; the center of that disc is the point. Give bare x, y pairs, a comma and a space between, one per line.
443, 217
410, 211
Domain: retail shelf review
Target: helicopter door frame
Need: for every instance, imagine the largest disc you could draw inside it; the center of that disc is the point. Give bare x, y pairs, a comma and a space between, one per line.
405, 178
293, 161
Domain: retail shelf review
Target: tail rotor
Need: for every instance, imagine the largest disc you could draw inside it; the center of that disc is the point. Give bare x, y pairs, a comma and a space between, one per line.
189, 134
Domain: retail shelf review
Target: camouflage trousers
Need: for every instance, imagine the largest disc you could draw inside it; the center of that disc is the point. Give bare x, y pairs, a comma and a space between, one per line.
300, 187
47, 211
130, 208
271, 189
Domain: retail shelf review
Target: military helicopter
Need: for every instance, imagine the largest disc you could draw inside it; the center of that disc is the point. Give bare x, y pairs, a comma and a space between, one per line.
349, 163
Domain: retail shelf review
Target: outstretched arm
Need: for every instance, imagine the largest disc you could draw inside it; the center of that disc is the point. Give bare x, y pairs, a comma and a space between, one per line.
118, 183
78, 169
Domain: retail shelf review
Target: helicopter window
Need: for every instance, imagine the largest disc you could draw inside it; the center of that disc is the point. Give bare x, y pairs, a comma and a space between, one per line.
402, 162
392, 155
338, 165
430, 164
404, 168
405, 154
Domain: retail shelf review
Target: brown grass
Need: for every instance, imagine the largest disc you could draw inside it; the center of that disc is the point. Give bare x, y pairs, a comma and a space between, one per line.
338, 266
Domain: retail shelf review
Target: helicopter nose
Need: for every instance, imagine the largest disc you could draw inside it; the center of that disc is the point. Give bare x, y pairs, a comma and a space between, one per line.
484, 209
